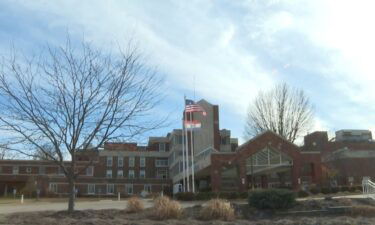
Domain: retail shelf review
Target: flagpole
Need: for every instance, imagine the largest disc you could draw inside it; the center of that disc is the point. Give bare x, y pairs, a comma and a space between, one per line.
183, 150
192, 154
187, 154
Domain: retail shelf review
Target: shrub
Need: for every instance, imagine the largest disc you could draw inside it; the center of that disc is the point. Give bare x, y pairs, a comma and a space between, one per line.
217, 209
205, 195
326, 190
302, 194
359, 188
165, 208
244, 195
315, 190
361, 210
134, 205
334, 190
352, 189
272, 199
229, 195
185, 196
344, 188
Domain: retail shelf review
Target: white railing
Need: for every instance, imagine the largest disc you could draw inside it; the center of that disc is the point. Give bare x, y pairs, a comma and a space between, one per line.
368, 188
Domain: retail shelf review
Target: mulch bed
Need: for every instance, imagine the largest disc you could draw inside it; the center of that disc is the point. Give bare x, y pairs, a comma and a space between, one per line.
245, 215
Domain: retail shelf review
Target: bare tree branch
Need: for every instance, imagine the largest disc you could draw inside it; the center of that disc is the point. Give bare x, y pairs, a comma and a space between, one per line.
71, 98
283, 110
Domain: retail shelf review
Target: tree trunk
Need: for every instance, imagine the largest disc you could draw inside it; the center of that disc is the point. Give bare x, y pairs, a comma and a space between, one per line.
71, 195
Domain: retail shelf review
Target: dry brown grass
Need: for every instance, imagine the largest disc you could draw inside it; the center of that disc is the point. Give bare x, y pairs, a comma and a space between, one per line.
165, 208
134, 205
218, 209
361, 210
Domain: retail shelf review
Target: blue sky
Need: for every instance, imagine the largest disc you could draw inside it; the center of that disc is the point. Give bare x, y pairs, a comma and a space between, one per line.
232, 48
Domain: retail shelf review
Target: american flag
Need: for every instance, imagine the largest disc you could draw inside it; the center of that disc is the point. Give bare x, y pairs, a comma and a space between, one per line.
191, 106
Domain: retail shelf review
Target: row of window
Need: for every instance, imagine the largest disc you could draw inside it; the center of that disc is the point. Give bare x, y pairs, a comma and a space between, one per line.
42, 170
161, 174
110, 188
131, 162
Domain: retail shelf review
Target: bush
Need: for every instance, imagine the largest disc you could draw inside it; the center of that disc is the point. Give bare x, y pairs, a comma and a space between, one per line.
229, 195
205, 195
302, 194
326, 190
165, 208
352, 189
134, 205
272, 199
244, 195
185, 196
334, 190
217, 209
344, 188
315, 190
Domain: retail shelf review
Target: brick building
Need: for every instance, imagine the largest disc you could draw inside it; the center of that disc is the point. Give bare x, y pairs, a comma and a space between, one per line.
265, 161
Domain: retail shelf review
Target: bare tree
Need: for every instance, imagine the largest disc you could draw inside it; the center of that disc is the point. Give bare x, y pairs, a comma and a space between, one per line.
283, 110
73, 97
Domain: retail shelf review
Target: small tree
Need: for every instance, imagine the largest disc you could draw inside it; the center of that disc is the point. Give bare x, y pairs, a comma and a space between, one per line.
283, 110
74, 97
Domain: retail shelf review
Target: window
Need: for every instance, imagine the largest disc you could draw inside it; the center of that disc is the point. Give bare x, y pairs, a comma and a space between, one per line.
131, 161
161, 147
162, 174
161, 162
120, 173
142, 174
15, 170
53, 187
60, 171
131, 174
109, 174
129, 189
28, 170
1, 169
42, 170
110, 188
177, 139
91, 189
142, 162
90, 171
109, 160
147, 188
120, 162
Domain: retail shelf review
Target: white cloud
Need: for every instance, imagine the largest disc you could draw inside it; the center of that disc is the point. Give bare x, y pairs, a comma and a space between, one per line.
238, 48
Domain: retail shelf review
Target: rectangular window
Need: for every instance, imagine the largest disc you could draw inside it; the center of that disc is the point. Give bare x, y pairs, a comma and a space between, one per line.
109, 174
161, 163
131, 161
90, 171
131, 174
42, 170
162, 174
142, 161
60, 171
142, 174
53, 187
120, 173
91, 189
147, 188
129, 189
109, 160
161, 147
15, 170
28, 170
120, 162
110, 188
